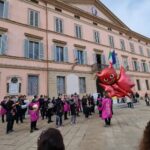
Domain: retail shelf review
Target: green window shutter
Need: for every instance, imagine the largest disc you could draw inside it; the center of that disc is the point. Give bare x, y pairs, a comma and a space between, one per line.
4, 44
146, 66
133, 66
41, 51
26, 48
65, 54
5, 14
85, 57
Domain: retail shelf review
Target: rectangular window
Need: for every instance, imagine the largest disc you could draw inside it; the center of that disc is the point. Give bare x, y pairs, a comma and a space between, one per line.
138, 85
125, 62
117, 65
144, 66
60, 85
147, 84
33, 85
3, 44
80, 57
141, 50
34, 18
78, 31
33, 49
111, 41
1, 8
82, 84
148, 52
59, 25
59, 53
135, 65
122, 44
96, 37
132, 47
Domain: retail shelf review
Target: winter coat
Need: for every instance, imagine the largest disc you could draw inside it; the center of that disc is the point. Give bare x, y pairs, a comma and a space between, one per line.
106, 108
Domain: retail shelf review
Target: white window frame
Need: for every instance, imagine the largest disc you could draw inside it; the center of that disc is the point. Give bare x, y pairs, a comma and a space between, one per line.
96, 36
78, 33
34, 22
60, 28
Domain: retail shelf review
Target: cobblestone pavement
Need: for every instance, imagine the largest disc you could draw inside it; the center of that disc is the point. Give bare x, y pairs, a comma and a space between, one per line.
89, 134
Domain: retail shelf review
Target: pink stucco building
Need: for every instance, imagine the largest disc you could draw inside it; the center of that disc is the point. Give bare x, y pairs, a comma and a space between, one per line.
50, 47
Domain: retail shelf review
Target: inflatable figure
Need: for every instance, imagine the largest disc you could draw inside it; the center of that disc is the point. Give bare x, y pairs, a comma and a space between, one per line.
116, 85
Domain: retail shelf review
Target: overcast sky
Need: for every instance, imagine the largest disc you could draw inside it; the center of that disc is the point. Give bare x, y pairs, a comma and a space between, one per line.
134, 13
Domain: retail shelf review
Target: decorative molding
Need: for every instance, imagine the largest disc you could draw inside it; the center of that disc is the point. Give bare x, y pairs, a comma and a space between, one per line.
79, 46
59, 42
98, 50
33, 36
3, 29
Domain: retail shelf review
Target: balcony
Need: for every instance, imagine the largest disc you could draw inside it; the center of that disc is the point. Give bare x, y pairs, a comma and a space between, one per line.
98, 67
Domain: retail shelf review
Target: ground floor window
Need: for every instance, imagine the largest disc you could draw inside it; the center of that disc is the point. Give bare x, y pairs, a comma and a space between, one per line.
33, 85
82, 84
138, 85
61, 85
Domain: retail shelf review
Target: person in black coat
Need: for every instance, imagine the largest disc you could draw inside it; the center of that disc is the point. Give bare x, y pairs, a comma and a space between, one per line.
59, 105
11, 111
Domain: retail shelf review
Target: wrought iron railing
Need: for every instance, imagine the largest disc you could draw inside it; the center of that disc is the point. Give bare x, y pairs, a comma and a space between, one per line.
98, 67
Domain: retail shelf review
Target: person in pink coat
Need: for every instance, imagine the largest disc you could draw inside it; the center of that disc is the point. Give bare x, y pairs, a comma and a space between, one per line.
66, 107
2, 109
106, 109
34, 113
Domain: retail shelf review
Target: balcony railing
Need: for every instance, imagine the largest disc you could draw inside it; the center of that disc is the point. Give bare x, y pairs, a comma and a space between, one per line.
98, 67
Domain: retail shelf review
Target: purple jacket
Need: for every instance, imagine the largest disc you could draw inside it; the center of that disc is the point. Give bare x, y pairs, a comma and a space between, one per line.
34, 112
106, 108
2, 110
66, 107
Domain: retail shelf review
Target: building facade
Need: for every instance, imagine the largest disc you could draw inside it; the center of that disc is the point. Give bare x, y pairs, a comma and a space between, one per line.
50, 47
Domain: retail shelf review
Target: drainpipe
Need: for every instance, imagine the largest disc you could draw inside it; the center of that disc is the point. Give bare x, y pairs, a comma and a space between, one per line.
47, 56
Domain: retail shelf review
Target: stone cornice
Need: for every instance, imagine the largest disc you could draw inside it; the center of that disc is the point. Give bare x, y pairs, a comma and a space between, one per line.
59, 41
33, 36
79, 46
3, 29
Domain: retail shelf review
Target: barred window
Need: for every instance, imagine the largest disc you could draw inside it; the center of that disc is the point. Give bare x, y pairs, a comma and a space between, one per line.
82, 84
60, 85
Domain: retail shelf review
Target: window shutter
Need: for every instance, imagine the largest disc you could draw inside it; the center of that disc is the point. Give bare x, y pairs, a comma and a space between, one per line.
4, 44
142, 68
138, 66
36, 19
75, 54
94, 59
56, 24
133, 66
65, 54
53, 55
146, 66
41, 51
5, 14
26, 48
31, 17
103, 59
85, 57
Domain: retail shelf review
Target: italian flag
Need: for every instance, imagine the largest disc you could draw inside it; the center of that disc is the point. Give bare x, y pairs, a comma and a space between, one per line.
112, 57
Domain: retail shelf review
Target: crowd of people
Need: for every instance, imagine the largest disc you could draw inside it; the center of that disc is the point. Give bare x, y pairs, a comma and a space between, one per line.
15, 108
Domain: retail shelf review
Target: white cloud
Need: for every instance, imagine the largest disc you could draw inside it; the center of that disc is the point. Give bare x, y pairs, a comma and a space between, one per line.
134, 13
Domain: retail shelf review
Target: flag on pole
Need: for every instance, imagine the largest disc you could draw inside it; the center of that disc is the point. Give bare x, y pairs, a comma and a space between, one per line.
112, 57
